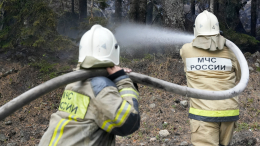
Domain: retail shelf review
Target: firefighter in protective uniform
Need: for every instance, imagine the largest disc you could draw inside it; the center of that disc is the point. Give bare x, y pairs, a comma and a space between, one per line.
210, 65
93, 111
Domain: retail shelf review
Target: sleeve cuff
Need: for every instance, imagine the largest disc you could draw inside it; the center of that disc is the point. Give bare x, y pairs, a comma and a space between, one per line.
117, 74
120, 78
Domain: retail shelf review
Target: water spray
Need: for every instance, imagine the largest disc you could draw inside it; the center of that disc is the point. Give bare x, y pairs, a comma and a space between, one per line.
141, 35
154, 38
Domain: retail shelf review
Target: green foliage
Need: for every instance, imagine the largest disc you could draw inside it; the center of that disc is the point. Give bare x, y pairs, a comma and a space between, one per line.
73, 61
30, 23
44, 67
242, 126
240, 39
157, 137
250, 100
258, 112
53, 75
232, 16
92, 21
102, 4
124, 60
258, 69
140, 134
165, 125
10, 80
148, 56
65, 68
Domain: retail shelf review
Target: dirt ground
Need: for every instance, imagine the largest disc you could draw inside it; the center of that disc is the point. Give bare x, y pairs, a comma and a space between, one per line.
159, 109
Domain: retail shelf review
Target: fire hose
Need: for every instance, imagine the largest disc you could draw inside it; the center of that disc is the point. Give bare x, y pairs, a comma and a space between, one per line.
62, 80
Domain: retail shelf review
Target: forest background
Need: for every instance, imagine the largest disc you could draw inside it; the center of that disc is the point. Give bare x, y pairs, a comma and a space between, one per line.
43, 24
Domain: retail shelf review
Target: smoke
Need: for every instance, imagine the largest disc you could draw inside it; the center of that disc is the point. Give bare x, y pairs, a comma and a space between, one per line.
143, 35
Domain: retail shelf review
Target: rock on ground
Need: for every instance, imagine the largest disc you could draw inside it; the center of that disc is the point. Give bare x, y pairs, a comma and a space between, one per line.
152, 105
2, 137
11, 144
184, 103
164, 133
256, 54
257, 64
143, 143
250, 68
8, 123
184, 143
153, 139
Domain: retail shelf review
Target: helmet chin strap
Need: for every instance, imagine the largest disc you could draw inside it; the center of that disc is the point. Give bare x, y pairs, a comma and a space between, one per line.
79, 75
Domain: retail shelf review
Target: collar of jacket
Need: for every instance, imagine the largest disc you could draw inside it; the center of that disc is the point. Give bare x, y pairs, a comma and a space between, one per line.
211, 43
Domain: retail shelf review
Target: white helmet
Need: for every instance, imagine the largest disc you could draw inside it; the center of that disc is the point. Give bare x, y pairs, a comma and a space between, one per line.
98, 46
206, 23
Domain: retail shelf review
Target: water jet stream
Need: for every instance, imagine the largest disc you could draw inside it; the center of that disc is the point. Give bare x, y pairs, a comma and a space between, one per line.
142, 35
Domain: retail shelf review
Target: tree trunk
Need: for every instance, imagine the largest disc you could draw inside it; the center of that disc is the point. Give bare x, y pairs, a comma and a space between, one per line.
258, 9
2, 18
62, 5
149, 16
72, 7
118, 10
91, 9
192, 7
253, 18
216, 7
211, 6
133, 10
221, 11
82, 10
173, 14
142, 11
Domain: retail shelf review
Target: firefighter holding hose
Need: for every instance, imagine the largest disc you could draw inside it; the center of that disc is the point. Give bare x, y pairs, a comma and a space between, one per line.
210, 65
93, 111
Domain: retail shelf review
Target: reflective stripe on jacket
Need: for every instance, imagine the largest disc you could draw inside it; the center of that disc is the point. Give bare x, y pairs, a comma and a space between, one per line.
214, 71
214, 116
92, 112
